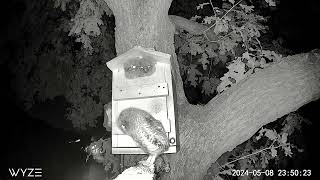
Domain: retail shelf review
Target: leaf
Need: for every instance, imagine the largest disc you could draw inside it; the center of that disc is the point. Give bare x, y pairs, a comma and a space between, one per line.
237, 67
61, 3
204, 61
217, 178
221, 26
192, 75
284, 138
235, 36
200, 6
273, 152
195, 48
225, 83
227, 45
263, 62
246, 8
222, 58
251, 60
261, 132
86, 23
235, 74
254, 159
206, 88
195, 18
85, 40
184, 49
264, 160
271, 134
178, 42
210, 51
244, 163
230, 166
183, 68
271, 2
252, 30
209, 19
246, 55
271, 55
226, 172
104, 7
292, 122
287, 150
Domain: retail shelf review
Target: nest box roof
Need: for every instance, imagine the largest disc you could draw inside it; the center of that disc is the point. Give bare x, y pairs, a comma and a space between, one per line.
136, 52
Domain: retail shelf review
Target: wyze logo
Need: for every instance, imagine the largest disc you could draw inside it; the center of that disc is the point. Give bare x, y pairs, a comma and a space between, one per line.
25, 172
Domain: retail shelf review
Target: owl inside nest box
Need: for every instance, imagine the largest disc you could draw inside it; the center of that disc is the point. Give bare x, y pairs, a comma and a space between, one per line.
143, 118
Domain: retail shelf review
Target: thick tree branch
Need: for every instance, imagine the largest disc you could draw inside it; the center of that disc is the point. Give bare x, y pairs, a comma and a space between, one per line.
234, 116
187, 25
192, 27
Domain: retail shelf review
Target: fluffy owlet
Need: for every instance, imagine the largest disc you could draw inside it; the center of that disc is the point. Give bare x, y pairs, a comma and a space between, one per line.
147, 131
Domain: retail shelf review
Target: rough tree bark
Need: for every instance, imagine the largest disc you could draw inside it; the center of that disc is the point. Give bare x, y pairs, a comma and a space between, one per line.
234, 116
206, 132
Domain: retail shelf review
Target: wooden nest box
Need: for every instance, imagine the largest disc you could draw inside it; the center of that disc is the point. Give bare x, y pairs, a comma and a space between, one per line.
142, 79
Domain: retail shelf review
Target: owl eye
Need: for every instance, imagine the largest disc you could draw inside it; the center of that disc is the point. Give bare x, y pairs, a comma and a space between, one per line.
156, 142
148, 136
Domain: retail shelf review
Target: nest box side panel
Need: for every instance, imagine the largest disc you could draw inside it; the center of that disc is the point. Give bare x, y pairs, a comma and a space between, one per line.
170, 103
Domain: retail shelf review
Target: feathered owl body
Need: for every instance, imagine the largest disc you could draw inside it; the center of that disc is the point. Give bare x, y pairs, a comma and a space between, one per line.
147, 131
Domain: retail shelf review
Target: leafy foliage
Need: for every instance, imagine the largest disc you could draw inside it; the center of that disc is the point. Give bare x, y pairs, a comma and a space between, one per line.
62, 4
243, 66
54, 66
267, 145
101, 152
86, 22
236, 47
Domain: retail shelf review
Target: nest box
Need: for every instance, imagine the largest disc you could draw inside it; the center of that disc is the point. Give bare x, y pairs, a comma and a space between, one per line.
142, 79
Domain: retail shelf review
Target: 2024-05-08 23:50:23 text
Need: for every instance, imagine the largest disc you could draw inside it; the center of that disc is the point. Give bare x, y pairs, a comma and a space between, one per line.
271, 172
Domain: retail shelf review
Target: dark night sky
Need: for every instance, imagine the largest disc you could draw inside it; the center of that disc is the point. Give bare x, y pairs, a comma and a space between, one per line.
32, 142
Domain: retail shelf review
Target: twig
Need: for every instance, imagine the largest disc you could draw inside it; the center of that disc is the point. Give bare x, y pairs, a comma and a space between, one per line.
243, 157
213, 9
223, 169
212, 5
222, 16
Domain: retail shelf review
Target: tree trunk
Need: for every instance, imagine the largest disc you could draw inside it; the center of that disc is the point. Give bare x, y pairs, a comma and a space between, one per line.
206, 132
147, 24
